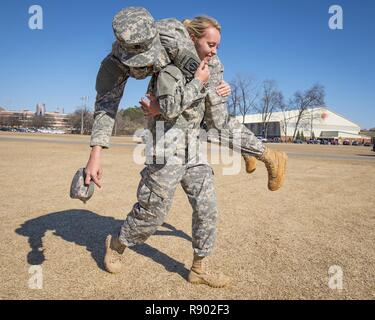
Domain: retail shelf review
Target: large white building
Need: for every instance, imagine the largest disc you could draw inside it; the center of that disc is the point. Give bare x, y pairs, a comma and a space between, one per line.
323, 122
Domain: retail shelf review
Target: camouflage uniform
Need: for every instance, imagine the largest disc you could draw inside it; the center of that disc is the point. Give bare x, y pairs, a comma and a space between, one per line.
119, 65
183, 106
184, 103
182, 110
176, 41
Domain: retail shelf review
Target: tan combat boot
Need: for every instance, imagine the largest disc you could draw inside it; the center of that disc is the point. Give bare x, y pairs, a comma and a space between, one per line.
251, 163
275, 162
113, 252
200, 274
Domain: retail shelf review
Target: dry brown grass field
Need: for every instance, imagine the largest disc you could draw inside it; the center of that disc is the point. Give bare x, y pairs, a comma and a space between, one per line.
274, 245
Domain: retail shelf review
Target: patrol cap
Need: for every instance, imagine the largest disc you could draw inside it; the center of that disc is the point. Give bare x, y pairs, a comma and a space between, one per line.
78, 189
136, 32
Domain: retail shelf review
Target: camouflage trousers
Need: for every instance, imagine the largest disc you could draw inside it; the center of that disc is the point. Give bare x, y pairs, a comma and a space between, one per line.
227, 129
155, 194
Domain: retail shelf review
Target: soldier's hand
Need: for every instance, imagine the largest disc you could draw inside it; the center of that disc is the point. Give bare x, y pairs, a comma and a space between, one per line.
202, 73
150, 108
223, 89
93, 168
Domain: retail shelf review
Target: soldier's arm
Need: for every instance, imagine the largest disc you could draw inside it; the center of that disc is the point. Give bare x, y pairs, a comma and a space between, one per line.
110, 84
174, 97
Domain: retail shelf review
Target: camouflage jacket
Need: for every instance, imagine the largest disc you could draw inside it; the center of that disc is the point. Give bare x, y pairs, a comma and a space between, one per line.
176, 129
111, 81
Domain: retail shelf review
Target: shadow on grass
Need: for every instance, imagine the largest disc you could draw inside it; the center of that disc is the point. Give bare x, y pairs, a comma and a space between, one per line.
366, 155
88, 229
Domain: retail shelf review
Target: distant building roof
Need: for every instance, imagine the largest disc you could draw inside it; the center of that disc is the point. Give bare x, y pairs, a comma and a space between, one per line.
323, 112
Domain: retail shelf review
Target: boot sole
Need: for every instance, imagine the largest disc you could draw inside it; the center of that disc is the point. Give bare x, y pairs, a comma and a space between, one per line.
250, 171
193, 279
282, 165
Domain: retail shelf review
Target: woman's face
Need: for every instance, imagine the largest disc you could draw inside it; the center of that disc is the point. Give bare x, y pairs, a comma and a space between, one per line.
207, 45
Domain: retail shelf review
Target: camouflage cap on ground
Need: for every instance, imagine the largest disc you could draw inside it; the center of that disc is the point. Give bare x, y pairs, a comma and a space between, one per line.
78, 189
136, 32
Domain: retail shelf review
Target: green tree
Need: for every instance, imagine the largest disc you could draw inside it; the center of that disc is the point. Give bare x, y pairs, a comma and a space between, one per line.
133, 113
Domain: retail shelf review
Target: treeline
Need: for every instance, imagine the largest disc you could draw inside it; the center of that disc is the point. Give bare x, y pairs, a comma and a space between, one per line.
127, 121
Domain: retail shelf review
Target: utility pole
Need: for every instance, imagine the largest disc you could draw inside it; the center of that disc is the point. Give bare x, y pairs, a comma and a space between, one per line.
312, 119
83, 110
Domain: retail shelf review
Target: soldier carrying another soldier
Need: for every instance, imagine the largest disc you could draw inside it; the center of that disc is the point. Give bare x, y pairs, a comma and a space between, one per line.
182, 100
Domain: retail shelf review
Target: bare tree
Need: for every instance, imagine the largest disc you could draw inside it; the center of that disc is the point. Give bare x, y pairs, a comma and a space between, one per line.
38, 121
75, 121
10, 120
2, 120
244, 95
234, 99
287, 115
303, 101
270, 102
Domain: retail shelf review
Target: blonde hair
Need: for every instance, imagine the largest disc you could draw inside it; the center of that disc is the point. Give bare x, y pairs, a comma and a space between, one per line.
198, 25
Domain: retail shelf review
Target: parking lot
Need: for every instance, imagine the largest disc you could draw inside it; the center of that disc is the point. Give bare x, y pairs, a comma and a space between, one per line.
274, 245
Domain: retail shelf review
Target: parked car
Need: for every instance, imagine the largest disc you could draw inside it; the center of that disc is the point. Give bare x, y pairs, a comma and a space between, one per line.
275, 140
298, 141
356, 143
367, 144
262, 139
346, 143
8, 129
323, 141
373, 147
334, 142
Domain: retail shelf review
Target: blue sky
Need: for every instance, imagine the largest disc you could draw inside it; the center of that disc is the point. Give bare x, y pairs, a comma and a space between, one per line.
285, 40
